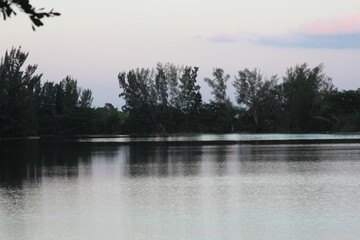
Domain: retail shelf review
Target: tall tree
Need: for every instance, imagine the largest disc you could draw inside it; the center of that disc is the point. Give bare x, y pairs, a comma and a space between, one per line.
65, 108
137, 89
173, 74
71, 94
190, 99
221, 107
19, 91
161, 86
86, 98
47, 109
257, 94
218, 85
301, 87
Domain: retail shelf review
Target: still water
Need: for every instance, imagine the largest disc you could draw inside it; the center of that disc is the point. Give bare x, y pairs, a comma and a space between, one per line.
178, 190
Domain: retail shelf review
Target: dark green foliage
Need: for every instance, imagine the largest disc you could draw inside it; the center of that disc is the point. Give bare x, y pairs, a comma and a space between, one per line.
244, 122
189, 92
86, 99
19, 90
302, 88
168, 100
190, 99
345, 106
218, 117
108, 120
220, 111
29, 108
140, 96
65, 109
163, 100
7, 9
258, 95
47, 108
161, 87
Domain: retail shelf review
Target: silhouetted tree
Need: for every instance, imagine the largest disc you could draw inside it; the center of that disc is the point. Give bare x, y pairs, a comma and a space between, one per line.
161, 86
137, 89
47, 109
218, 85
344, 110
173, 74
301, 87
70, 94
258, 95
220, 108
19, 90
190, 97
86, 99
109, 120
72, 105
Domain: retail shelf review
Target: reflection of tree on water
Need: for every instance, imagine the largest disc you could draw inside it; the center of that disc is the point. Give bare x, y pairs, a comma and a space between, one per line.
147, 159
275, 158
18, 161
221, 159
31, 160
180, 159
309, 155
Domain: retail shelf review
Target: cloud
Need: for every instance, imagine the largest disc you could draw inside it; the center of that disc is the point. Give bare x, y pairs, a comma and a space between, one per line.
340, 41
337, 26
225, 38
336, 33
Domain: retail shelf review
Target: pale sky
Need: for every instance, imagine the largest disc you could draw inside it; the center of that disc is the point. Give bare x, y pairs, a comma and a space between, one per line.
95, 40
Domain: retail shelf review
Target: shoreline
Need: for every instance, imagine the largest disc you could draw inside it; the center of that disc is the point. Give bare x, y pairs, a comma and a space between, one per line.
242, 137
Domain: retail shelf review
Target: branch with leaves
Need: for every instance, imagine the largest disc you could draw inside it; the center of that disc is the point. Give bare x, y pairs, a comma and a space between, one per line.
7, 9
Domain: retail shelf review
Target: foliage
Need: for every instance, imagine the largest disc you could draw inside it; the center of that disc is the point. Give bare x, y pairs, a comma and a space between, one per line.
345, 109
29, 108
258, 95
108, 120
19, 90
189, 92
218, 117
220, 109
302, 86
167, 99
154, 98
7, 9
218, 85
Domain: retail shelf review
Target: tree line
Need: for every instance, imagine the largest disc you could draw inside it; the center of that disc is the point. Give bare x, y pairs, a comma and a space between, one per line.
167, 99
29, 107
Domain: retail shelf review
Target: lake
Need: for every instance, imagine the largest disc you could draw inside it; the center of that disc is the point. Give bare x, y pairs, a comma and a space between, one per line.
181, 187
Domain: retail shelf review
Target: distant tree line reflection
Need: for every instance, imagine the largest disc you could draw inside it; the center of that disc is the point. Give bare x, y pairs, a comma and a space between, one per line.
33, 160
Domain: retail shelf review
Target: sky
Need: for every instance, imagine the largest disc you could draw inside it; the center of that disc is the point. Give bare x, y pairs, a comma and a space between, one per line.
95, 40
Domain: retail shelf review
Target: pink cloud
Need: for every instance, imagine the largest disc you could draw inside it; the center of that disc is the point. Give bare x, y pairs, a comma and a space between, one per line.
342, 25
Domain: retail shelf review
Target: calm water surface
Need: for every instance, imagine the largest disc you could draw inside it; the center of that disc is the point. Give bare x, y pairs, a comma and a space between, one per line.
188, 190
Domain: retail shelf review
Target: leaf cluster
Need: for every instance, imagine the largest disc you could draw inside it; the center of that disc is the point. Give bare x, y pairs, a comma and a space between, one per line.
7, 9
